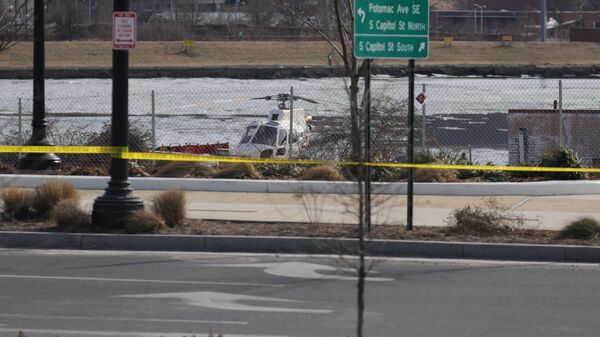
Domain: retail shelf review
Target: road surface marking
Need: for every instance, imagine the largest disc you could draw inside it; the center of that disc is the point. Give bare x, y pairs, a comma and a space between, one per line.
225, 301
303, 270
104, 279
54, 332
121, 319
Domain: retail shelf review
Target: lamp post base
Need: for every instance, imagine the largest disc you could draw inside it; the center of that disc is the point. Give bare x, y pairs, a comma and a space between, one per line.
112, 209
39, 162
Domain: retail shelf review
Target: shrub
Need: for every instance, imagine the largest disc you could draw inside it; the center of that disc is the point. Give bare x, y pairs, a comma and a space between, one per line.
488, 220
49, 194
279, 171
178, 169
67, 214
581, 229
322, 172
171, 207
238, 171
15, 203
435, 175
562, 157
144, 222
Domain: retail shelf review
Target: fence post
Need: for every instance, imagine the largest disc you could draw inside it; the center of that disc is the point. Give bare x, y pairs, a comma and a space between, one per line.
291, 122
153, 121
20, 114
424, 121
561, 137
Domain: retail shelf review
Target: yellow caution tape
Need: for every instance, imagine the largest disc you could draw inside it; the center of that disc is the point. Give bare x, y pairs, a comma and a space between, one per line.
122, 153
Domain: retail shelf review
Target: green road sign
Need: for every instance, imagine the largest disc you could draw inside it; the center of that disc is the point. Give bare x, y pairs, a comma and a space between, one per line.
391, 29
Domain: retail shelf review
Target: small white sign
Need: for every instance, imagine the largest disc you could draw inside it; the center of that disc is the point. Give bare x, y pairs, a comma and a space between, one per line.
124, 30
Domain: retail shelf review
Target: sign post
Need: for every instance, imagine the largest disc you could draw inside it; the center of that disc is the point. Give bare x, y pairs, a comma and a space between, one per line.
393, 29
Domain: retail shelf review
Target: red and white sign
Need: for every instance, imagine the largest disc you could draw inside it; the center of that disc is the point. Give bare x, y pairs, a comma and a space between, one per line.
124, 30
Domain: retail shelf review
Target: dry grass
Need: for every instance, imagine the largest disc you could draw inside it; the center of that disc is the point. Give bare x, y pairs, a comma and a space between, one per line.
491, 219
323, 172
144, 222
178, 169
433, 175
15, 203
171, 207
67, 215
48, 195
238, 171
228, 53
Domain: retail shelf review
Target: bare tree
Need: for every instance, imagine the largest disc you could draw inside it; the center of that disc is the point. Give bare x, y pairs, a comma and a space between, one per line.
14, 20
340, 15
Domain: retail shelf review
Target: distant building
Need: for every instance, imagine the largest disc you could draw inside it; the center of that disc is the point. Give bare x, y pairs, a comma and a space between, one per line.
531, 132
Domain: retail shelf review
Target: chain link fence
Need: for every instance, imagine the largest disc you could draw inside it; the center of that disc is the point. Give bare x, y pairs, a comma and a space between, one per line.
483, 121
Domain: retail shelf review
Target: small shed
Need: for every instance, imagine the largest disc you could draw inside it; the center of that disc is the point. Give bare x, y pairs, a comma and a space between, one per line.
531, 132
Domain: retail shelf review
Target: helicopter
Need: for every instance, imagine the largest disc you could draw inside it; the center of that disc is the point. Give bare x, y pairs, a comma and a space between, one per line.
282, 135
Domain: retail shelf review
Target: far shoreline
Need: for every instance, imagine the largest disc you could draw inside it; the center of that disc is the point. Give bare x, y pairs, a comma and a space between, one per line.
313, 71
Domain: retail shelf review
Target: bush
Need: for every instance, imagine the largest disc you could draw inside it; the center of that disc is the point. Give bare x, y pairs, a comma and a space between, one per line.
279, 171
49, 194
15, 203
171, 207
323, 172
488, 220
67, 214
435, 175
178, 169
561, 157
238, 171
144, 222
582, 229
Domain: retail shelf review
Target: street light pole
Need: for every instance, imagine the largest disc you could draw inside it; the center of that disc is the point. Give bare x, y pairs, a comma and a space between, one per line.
39, 161
543, 14
111, 209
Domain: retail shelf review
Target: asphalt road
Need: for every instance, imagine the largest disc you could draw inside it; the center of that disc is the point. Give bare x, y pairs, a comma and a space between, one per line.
59, 293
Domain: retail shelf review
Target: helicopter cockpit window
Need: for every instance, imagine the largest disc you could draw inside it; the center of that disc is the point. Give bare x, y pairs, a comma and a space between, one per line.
282, 137
248, 135
265, 135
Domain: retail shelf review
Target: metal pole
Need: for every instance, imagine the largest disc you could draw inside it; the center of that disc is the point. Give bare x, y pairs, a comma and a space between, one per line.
411, 136
368, 144
424, 123
39, 161
20, 112
474, 21
291, 122
118, 201
153, 121
561, 136
543, 10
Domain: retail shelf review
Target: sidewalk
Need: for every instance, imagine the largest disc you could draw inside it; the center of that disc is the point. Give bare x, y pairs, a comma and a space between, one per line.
547, 212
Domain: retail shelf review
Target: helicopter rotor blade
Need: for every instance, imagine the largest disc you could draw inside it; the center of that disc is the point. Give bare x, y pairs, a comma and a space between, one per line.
267, 98
309, 100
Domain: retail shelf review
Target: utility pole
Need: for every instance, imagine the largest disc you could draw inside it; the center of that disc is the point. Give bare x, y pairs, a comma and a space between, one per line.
39, 161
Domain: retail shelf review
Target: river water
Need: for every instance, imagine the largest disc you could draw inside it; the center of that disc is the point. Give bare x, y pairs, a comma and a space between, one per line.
206, 110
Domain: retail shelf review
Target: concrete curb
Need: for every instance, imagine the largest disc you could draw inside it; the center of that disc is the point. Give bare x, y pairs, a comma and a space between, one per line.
290, 245
544, 188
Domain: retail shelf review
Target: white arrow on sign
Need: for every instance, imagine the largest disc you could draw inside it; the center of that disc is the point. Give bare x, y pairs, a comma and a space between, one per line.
225, 301
303, 270
362, 15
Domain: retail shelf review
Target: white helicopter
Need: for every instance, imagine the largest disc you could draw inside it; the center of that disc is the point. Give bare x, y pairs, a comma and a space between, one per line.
282, 135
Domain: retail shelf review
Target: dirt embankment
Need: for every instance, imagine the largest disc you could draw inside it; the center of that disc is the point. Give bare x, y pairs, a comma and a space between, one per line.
277, 59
